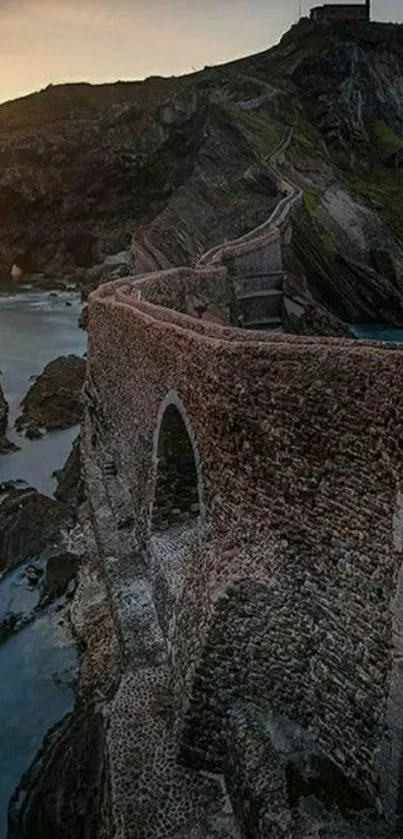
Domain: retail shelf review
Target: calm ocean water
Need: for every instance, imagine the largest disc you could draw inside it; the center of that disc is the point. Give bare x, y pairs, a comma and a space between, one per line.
38, 665
37, 668
378, 333
35, 327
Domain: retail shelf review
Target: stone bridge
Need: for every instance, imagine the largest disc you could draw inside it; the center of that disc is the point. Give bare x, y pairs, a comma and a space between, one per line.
245, 492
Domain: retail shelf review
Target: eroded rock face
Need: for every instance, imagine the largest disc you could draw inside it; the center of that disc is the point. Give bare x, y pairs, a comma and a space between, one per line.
170, 168
54, 400
5, 444
3, 412
68, 798
92, 156
312, 319
29, 521
3, 421
70, 485
61, 569
65, 791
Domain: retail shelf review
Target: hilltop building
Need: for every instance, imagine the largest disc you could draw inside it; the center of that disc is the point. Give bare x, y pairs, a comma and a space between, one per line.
341, 11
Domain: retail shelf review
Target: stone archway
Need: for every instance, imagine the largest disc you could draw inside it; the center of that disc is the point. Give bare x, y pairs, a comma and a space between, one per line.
177, 495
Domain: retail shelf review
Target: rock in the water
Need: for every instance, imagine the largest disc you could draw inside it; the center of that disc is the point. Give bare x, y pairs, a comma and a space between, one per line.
5, 445
8, 626
61, 794
70, 485
33, 574
3, 411
28, 522
33, 432
115, 266
83, 319
16, 272
61, 569
54, 400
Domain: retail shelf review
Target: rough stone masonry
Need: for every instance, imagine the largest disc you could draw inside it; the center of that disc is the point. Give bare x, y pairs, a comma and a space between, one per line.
282, 587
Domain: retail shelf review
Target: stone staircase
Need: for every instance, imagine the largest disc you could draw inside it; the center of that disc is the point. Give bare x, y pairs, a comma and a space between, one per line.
254, 262
260, 300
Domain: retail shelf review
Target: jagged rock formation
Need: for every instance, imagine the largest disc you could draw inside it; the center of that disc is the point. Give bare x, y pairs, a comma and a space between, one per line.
3, 420
3, 412
5, 444
28, 522
53, 401
180, 162
70, 484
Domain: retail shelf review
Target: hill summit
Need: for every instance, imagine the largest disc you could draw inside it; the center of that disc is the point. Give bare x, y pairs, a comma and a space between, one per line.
85, 170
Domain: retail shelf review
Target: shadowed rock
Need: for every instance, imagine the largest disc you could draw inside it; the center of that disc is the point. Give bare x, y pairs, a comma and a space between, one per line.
28, 522
54, 400
5, 445
61, 569
61, 794
70, 485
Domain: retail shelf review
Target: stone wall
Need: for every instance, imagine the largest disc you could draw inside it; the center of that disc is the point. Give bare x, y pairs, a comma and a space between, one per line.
286, 593
344, 11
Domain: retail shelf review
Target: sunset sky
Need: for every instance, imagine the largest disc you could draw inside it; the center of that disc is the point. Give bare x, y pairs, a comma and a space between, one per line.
45, 41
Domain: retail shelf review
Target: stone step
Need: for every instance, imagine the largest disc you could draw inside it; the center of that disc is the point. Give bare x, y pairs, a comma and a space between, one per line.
263, 323
258, 282
251, 295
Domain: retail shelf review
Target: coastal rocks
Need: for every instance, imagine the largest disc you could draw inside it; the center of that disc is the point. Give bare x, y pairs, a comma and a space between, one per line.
70, 485
308, 318
45, 282
33, 574
33, 432
5, 444
16, 272
117, 260
81, 245
47, 583
95, 169
71, 766
61, 570
114, 266
62, 792
350, 290
83, 318
54, 400
29, 521
8, 626
3, 412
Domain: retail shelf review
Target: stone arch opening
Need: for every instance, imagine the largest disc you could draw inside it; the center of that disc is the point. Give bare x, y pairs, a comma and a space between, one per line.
177, 489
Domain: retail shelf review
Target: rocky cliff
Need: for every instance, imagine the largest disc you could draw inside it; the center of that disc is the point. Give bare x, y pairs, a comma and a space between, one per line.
175, 166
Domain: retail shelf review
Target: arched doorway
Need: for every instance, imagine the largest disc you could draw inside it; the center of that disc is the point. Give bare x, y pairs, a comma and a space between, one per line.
177, 496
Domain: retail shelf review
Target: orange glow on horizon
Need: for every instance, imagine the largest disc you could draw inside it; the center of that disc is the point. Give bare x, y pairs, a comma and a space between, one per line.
56, 41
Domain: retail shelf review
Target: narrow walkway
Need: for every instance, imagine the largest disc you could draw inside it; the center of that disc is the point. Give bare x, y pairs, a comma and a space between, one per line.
260, 293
